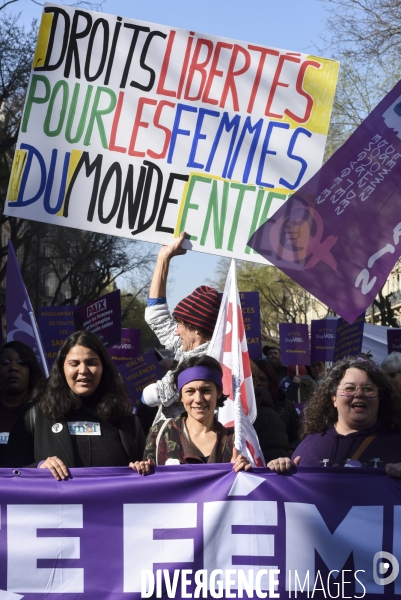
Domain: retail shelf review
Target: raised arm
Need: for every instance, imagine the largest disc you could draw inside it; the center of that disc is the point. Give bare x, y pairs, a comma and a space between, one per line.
158, 287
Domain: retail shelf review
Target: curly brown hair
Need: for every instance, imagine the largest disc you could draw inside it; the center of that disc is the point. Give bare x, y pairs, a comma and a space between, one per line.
320, 412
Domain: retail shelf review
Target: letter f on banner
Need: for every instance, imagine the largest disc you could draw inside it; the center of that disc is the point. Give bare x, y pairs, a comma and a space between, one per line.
228, 346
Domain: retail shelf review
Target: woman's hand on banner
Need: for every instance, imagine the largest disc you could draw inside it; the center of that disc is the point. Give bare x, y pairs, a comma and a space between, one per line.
393, 470
283, 464
143, 467
57, 468
239, 462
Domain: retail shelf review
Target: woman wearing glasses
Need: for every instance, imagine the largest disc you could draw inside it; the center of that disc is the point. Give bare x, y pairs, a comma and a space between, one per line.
352, 420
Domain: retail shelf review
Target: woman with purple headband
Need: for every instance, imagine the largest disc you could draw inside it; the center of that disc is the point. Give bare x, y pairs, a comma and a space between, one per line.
196, 436
352, 420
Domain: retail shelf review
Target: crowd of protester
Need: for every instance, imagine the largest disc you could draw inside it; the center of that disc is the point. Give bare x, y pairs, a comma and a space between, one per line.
347, 416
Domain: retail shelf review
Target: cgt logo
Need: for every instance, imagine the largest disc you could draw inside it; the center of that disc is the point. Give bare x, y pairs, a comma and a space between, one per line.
383, 568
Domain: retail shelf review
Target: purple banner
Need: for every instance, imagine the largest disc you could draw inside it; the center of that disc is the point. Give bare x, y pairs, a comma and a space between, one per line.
294, 344
323, 338
103, 317
56, 323
140, 372
21, 323
338, 236
393, 340
349, 338
128, 348
199, 531
251, 314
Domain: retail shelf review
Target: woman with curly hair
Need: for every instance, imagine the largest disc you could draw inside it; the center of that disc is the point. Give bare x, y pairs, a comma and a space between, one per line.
352, 420
81, 419
196, 436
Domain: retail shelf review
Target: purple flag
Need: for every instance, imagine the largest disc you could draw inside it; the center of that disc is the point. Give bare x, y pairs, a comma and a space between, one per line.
56, 323
128, 348
103, 317
349, 338
323, 338
294, 344
20, 319
339, 235
140, 372
110, 534
393, 340
250, 307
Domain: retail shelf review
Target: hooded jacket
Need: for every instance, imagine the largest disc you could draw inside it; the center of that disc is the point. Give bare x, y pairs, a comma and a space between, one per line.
331, 449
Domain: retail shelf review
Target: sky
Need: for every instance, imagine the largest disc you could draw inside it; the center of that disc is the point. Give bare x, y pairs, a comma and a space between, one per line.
288, 24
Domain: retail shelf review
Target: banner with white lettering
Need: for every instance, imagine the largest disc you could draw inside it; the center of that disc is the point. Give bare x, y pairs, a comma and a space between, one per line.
142, 130
101, 316
56, 323
200, 532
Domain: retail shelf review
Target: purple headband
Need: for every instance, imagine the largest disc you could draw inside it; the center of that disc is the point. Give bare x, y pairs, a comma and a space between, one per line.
199, 373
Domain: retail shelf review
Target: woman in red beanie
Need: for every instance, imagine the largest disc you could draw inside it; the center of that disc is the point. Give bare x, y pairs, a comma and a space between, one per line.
186, 333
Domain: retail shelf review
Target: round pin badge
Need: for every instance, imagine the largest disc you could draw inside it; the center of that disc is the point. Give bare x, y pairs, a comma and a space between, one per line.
57, 427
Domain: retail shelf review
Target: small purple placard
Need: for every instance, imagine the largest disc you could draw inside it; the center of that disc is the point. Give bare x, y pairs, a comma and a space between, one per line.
294, 344
349, 338
251, 314
103, 317
323, 339
128, 348
56, 323
393, 340
140, 372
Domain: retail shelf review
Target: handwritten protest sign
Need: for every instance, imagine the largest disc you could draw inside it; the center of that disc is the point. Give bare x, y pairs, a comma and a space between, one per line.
140, 372
323, 338
56, 323
294, 344
128, 348
349, 338
393, 340
103, 317
144, 130
251, 314
339, 235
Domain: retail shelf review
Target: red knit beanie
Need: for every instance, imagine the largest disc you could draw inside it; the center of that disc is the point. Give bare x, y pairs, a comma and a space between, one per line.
200, 308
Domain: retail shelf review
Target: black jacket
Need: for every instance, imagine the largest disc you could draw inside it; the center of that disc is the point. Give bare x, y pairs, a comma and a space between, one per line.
288, 413
270, 428
33, 440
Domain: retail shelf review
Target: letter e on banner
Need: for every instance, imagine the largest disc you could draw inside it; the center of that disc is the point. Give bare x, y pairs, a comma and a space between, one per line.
142, 551
25, 548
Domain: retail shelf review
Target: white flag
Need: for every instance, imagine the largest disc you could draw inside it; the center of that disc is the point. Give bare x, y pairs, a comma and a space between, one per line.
228, 346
